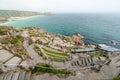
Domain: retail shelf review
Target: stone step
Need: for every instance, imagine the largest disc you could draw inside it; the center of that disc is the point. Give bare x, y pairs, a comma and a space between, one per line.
6, 75
23, 63
2, 76
74, 64
5, 55
9, 76
22, 75
91, 59
87, 61
26, 63
13, 62
15, 75
28, 76
84, 63
80, 62
8, 59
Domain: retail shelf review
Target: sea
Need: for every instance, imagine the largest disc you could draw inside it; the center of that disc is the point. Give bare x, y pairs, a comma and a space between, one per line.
96, 28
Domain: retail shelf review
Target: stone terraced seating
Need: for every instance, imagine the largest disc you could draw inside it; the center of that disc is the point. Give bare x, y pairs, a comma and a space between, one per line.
13, 62
5, 55
83, 61
16, 75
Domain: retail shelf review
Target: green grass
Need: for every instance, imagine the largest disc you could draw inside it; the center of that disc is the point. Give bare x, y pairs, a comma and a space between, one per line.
22, 52
56, 59
16, 40
56, 56
32, 34
56, 53
37, 49
116, 78
46, 68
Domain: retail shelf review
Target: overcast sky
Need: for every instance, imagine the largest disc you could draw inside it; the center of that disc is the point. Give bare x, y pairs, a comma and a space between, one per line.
63, 6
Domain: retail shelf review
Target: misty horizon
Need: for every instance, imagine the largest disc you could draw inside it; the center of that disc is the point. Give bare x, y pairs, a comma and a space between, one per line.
63, 6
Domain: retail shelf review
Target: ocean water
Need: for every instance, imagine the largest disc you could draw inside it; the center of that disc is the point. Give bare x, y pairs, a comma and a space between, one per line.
96, 28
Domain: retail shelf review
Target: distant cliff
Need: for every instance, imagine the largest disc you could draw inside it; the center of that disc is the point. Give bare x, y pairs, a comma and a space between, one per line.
5, 15
14, 13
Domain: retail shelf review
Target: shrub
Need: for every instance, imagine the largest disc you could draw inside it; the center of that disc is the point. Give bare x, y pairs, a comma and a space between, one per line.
21, 52
16, 40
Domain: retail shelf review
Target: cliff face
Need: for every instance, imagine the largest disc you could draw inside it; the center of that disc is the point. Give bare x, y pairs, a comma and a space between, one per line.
78, 39
6, 14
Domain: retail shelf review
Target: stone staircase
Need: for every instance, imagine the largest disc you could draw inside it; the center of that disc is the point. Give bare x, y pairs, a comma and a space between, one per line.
86, 61
16, 75
13, 67
5, 55
83, 61
8, 61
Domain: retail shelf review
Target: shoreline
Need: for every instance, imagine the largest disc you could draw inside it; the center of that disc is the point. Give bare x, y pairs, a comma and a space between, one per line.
15, 19
87, 39
20, 18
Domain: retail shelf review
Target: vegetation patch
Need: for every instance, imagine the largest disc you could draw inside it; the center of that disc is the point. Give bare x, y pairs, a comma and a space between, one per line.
56, 53
37, 49
5, 40
16, 40
116, 78
21, 52
96, 54
31, 34
68, 39
11, 40
46, 68
55, 56
4, 30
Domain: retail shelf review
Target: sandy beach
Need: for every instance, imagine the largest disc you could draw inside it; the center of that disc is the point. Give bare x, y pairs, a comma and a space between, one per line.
17, 18
14, 19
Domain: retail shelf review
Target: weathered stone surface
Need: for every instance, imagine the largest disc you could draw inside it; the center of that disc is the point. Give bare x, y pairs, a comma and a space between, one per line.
47, 77
9, 76
5, 55
22, 75
13, 62
15, 75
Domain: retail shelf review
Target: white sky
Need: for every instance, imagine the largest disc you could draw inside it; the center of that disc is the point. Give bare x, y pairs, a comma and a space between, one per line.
63, 6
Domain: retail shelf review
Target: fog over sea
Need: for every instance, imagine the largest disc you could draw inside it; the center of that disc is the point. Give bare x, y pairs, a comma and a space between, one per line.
96, 28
